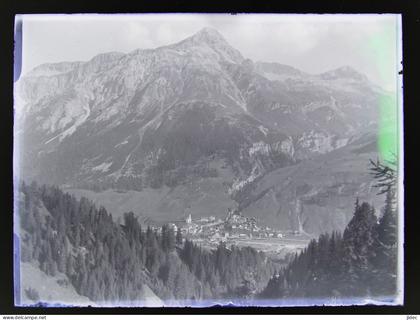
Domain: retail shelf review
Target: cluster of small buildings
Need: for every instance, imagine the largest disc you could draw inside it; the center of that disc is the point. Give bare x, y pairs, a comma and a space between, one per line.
234, 226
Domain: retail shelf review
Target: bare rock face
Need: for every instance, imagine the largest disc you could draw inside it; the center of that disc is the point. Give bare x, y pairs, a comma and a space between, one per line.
317, 195
198, 111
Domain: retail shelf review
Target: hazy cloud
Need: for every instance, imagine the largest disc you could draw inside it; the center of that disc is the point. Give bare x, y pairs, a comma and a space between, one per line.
313, 43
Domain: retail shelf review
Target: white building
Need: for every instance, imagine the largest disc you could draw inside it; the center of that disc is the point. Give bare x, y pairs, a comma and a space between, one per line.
188, 220
173, 226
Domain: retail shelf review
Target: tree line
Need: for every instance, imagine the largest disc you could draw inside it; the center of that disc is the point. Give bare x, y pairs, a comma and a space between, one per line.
110, 262
360, 262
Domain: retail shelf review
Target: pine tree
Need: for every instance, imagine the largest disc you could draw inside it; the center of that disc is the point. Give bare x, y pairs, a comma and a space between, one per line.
70, 265
164, 237
334, 255
167, 238
358, 240
132, 227
386, 248
61, 254
386, 242
52, 268
387, 230
385, 175
179, 237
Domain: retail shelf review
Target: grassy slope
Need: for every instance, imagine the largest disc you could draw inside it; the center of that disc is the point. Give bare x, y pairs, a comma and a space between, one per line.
50, 289
205, 197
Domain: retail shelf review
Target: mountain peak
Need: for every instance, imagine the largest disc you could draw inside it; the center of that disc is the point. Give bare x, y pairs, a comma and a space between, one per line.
211, 38
208, 31
346, 69
344, 72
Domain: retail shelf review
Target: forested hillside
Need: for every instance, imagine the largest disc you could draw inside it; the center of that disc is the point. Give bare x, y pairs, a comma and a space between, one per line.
124, 263
111, 262
361, 262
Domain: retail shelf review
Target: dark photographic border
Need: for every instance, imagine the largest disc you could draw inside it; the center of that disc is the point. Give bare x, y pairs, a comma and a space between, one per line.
410, 11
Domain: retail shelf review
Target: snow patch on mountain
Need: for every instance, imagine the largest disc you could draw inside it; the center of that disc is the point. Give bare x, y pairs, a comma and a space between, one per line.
259, 148
263, 129
286, 146
121, 143
74, 111
316, 142
103, 167
239, 184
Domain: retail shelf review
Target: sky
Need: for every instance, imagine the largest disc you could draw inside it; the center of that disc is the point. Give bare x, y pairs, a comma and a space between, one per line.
312, 43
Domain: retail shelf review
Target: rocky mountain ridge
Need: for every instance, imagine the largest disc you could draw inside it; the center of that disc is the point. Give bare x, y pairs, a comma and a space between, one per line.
195, 113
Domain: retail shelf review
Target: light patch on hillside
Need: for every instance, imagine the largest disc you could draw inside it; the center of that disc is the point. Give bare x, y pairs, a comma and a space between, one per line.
104, 167
50, 289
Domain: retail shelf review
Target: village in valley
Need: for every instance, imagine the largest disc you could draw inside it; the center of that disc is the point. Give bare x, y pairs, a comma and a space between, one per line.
237, 229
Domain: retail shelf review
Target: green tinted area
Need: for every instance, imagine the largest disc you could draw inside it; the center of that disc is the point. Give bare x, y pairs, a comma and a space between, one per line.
388, 131
382, 49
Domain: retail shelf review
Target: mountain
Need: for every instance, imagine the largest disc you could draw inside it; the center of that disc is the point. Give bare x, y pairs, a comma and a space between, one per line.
315, 196
189, 124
